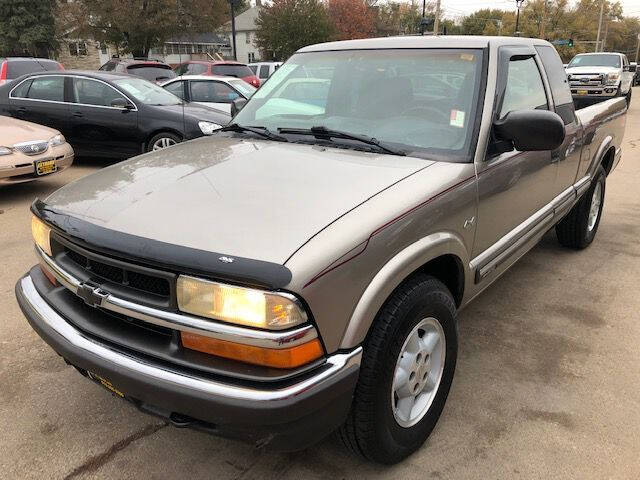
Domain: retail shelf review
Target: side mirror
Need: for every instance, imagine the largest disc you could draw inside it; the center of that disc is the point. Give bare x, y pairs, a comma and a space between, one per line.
120, 102
531, 130
237, 104
625, 68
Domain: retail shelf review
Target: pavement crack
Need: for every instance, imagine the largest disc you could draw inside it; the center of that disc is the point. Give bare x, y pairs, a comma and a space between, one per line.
95, 462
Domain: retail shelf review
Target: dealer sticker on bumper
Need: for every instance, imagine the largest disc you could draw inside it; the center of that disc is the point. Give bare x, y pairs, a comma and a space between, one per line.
105, 383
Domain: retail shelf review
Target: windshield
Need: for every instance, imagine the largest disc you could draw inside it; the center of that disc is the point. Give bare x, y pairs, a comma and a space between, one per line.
595, 61
243, 87
231, 70
146, 92
419, 101
152, 73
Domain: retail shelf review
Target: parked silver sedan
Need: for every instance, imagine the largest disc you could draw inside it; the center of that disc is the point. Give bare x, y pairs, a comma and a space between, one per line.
216, 92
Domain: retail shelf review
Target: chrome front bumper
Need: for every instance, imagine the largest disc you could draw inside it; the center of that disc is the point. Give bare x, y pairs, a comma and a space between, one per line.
76, 339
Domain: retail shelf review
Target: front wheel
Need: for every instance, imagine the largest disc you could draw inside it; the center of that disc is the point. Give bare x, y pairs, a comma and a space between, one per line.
408, 365
578, 229
163, 140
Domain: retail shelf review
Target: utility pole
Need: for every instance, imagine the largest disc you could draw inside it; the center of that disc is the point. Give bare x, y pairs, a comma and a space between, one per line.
436, 22
606, 32
638, 48
423, 21
544, 19
600, 24
233, 29
518, 5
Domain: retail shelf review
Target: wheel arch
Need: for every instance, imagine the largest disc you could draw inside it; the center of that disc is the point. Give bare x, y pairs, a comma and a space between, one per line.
441, 255
608, 158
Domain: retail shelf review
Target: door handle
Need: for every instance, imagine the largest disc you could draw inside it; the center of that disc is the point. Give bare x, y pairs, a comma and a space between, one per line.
77, 114
21, 110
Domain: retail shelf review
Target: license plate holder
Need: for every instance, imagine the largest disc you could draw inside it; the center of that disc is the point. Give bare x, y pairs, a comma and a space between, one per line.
45, 167
583, 92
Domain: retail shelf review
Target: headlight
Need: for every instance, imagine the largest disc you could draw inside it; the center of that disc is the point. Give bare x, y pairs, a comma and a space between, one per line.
239, 305
5, 151
208, 128
57, 140
41, 234
612, 78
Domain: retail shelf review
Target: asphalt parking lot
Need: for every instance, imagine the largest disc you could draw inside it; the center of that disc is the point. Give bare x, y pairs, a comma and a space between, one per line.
547, 384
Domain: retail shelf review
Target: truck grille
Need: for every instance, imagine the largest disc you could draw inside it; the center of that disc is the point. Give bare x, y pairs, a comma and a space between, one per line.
587, 80
123, 276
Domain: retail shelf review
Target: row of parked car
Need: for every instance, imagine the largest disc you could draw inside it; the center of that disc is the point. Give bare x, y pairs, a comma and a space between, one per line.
127, 107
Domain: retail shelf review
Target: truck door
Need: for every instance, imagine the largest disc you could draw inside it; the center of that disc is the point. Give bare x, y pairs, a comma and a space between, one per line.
513, 186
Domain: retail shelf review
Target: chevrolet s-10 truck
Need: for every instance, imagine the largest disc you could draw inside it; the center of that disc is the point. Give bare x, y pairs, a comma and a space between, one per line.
299, 272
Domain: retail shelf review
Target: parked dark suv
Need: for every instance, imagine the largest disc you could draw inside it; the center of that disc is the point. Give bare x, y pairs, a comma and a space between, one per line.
14, 67
152, 70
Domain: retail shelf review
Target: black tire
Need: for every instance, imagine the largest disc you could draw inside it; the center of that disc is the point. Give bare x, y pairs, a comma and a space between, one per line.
171, 137
573, 231
371, 429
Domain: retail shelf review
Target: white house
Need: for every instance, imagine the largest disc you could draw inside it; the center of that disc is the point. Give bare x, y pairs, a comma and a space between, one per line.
247, 51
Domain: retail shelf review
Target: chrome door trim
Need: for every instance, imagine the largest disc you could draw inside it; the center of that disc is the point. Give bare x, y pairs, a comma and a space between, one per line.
496, 254
582, 185
335, 364
187, 323
134, 109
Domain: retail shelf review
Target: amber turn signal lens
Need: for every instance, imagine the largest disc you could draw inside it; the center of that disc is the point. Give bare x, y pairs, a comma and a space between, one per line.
48, 274
268, 357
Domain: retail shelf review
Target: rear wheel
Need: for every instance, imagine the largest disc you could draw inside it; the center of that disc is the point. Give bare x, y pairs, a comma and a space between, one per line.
578, 229
163, 140
408, 365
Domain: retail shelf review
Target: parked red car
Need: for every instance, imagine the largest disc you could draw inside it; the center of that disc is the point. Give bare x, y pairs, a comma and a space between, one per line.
14, 67
221, 68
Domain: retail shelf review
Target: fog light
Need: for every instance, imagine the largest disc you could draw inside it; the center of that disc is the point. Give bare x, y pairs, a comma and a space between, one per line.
268, 357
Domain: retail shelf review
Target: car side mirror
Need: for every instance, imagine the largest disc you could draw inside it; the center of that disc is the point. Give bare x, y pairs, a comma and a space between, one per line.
120, 102
625, 68
531, 130
237, 104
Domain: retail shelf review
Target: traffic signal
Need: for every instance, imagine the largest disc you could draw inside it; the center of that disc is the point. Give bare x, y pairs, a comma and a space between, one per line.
570, 42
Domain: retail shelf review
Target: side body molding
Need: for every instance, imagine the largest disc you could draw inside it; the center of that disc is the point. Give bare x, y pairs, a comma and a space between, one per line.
393, 273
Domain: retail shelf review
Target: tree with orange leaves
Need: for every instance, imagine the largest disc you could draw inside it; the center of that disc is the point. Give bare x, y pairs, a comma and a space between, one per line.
351, 19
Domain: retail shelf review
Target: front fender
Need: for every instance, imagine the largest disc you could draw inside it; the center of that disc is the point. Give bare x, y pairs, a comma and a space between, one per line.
393, 273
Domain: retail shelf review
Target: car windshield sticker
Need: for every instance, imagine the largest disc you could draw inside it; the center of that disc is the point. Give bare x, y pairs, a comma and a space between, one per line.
457, 118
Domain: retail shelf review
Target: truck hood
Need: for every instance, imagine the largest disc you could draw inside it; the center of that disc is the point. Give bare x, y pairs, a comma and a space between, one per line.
594, 70
252, 199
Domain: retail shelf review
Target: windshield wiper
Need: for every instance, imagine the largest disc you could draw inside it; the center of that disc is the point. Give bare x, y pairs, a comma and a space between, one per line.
324, 133
262, 131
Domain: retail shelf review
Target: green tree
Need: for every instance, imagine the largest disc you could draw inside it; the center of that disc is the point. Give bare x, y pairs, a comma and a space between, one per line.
136, 26
287, 25
477, 22
27, 27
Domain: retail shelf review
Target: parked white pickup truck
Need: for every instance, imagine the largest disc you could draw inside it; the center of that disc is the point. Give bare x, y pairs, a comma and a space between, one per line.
598, 76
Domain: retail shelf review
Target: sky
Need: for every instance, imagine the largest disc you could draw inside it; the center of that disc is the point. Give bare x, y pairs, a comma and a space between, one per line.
456, 8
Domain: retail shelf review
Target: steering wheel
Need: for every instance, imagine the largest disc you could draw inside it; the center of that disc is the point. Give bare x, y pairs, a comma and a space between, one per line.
441, 117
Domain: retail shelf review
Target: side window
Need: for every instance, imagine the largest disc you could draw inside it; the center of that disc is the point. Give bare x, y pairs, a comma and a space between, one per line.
214, 92
264, 71
558, 82
22, 90
92, 92
177, 88
524, 89
47, 88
